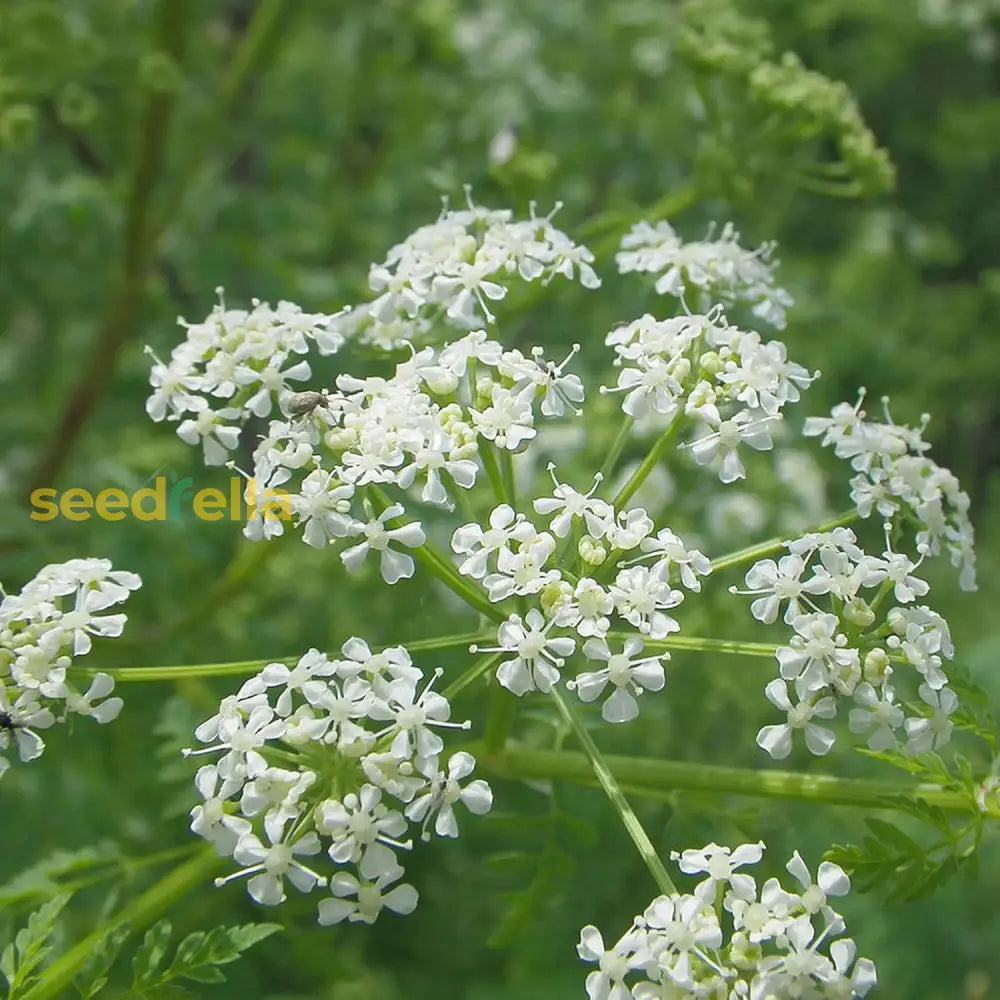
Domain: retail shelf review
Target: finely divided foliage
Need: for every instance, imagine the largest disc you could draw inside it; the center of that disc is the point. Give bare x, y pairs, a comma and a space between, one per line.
321, 773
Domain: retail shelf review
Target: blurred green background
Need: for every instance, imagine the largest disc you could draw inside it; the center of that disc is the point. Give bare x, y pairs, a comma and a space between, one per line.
151, 151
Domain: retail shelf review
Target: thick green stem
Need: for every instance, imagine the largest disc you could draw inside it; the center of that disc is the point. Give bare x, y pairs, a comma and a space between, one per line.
605, 776
138, 915
660, 779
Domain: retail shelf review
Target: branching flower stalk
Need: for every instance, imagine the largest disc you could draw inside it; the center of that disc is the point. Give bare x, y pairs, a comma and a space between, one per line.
322, 771
371, 465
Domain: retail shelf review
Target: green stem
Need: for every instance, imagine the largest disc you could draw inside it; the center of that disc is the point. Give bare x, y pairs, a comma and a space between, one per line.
489, 460
697, 644
499, 718
612, 789
617, 446
471, 675
434, 562
138, 915
648, 463
661, 779
243, 668
776, 544
670, 204
507, 477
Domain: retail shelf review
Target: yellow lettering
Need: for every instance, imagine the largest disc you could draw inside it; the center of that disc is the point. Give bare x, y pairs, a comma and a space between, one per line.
111, 504
158, 492
43, 505
209, 505
75, 505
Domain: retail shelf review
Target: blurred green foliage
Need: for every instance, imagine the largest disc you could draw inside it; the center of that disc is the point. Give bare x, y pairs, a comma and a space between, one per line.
151, 151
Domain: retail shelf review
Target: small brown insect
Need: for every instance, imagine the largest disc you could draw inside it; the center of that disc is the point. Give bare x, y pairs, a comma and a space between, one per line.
303, 403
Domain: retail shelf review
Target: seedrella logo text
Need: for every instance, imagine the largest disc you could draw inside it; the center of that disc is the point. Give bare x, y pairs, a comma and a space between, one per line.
163, 501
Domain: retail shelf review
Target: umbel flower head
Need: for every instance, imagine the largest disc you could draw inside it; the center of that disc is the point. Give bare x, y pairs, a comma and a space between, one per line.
370, 464
732, 940
43, 630
323, 766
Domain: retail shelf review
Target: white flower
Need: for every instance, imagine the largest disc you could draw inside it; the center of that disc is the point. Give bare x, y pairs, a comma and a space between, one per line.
719, 268
877, 717
306, 677
432, 460
934, 731
776, 582
816, 651
669, 549
720, 864
476, 544
363, 830
629, 529
509, 420
268, 865
87, 703
539, 655
323, 506
393, 565
242, 738
380, 669
210, 820
596, 514
370, 898
444, 791
627, 674
413, 718
588, 609
642, 596
777, 740
208, 428
722, 443
522, 572
614, 964
21, 720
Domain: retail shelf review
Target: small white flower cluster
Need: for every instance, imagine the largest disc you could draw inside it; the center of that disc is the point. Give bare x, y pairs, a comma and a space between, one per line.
42, 629
450, 271
894, 474
850, 650
513, 558
311, 759
717, 268
727, 941
234, 365
730, 381
422, 426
